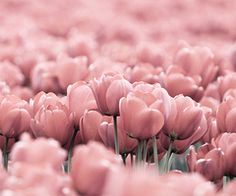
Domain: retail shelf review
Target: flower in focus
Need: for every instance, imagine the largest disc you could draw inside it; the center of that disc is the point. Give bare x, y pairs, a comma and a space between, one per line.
108, 91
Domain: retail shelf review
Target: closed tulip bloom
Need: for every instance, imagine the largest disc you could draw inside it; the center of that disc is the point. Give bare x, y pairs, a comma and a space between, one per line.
15, 116
79, 99
226, 114
197, 61
71, 70
208, 161
226, 82
227, 143
106, 132
90, 166
139, 119
53, 121
108, 91
185, 120
89, 126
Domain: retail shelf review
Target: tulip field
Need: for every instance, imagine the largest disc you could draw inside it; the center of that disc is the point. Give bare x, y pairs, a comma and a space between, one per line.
118, 97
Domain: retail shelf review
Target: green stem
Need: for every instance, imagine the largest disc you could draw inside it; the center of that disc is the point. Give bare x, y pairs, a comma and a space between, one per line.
5, 153
69, 156
155, 152
124, 158
145, 149
168, 156
116, 135
139, 153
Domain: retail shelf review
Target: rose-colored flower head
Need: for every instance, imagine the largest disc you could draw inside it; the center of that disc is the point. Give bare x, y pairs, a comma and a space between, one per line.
108, 90
43, 77
89, 126
106, 132
186, 119
226, 82
176, 82
31, 151
79, 99
140, 119
52, 119
212, 90
90, 166
15, 116
24, 93
11, 74
208, 161
210, 103
69, 70
4, 89
197, 61
227, 143
226, 115
143, 72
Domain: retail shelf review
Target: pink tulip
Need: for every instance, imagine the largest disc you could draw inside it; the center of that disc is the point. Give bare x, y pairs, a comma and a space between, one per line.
71, 70
80, 99
226, 82
197, 61
90, 166
31, 151
106, 133
89, 126
15, 116
4, 89
208, 161
53, 120
186, 119
226, 114
43, 78
108, 91
24, 93
226, 142
140, 120
11, 74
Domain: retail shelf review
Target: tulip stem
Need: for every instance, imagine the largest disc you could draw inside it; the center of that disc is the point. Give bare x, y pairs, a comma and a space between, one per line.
145, 149
155, 152
116, 135
5, 153
139, 153
168, 157
69, 156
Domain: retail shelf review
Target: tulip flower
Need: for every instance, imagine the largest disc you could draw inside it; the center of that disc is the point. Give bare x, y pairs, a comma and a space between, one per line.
90, 166
53, 121
226, 142
208, 161
108, 91
80, 98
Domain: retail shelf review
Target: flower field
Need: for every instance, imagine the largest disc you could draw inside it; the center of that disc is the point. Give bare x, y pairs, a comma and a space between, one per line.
117, 98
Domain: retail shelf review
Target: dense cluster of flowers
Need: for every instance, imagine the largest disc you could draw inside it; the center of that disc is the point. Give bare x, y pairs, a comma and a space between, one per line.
104, 98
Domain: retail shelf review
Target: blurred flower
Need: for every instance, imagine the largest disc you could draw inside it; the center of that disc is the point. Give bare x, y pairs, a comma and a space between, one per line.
15, 116
90, 166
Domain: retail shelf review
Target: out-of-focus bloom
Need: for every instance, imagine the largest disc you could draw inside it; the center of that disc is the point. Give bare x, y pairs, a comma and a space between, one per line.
11, 74
143, 72
227, 143
24, 93
185, 120
121, 182
31, 151
69, 70
52, 119
79, 99
176, 82
106, 132
90, 166
15, 116
226, 115
229, 189
226, 82
197, 61
108, 91
211, 103
43, 77
208, 161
